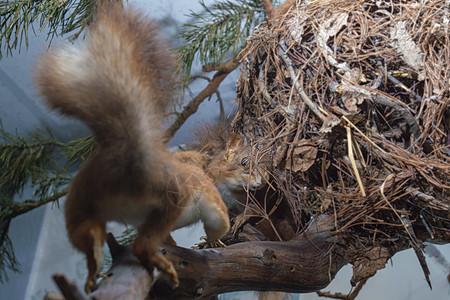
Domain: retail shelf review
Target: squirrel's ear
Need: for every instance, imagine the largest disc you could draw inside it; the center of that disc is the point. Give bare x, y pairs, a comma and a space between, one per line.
235, 142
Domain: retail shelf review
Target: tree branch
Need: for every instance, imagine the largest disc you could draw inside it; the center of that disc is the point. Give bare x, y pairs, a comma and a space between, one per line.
307, 263
222, 72
22, 207
127, 279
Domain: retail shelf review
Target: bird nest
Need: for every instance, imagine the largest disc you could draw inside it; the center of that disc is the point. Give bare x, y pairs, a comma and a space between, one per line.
351, 100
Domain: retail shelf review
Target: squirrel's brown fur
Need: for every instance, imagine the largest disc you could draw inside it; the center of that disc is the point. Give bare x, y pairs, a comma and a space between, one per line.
119, 84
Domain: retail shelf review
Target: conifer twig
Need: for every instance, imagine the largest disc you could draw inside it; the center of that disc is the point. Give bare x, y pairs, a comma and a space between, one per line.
222, 72
220, 30
59, 17
19, 208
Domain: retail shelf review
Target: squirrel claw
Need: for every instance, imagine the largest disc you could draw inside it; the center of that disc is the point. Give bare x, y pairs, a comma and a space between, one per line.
89, 285
217, 244
173, 275
210, 244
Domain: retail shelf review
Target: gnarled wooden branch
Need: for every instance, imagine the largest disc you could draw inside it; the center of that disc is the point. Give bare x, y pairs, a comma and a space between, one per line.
305, 264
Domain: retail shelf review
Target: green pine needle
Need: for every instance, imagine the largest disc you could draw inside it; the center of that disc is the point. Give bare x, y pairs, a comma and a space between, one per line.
57, 16
40, 160
79, 150
8, 260
219, 31
24, 160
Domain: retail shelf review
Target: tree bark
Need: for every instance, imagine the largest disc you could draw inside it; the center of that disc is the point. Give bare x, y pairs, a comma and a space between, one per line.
223, 70
305, 264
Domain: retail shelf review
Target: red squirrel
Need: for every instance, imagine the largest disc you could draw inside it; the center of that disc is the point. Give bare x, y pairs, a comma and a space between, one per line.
234, 167
119, 83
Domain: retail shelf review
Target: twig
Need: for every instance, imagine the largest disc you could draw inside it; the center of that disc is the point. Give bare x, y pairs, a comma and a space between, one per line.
352, 159
427, 227
224, 67
400, 84
350, 296
410, 232
364, 136
384, 100
388, 75
199, 76
24, 207
222, 72
219, 97
427, 198
221, 107
314, 108
263, 88
332, 295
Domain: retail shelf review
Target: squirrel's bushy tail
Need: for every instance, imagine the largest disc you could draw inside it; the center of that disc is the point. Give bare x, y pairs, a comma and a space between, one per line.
118, 82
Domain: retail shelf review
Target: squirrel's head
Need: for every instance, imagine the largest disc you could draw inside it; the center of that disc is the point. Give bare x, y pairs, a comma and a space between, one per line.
239, 166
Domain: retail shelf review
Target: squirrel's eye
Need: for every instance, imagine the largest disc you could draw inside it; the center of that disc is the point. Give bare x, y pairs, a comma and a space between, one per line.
244, 162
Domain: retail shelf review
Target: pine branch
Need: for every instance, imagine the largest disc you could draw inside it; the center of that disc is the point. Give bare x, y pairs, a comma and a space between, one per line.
40, 161
221, 30
212, 87
7, 257
24, 160
19, 208
79, 150
32, 161
59, 17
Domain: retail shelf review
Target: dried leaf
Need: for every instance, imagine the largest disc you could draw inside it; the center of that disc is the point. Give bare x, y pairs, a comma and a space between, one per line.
330, 122
329, 29
407, 48
302, 159
296, 28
